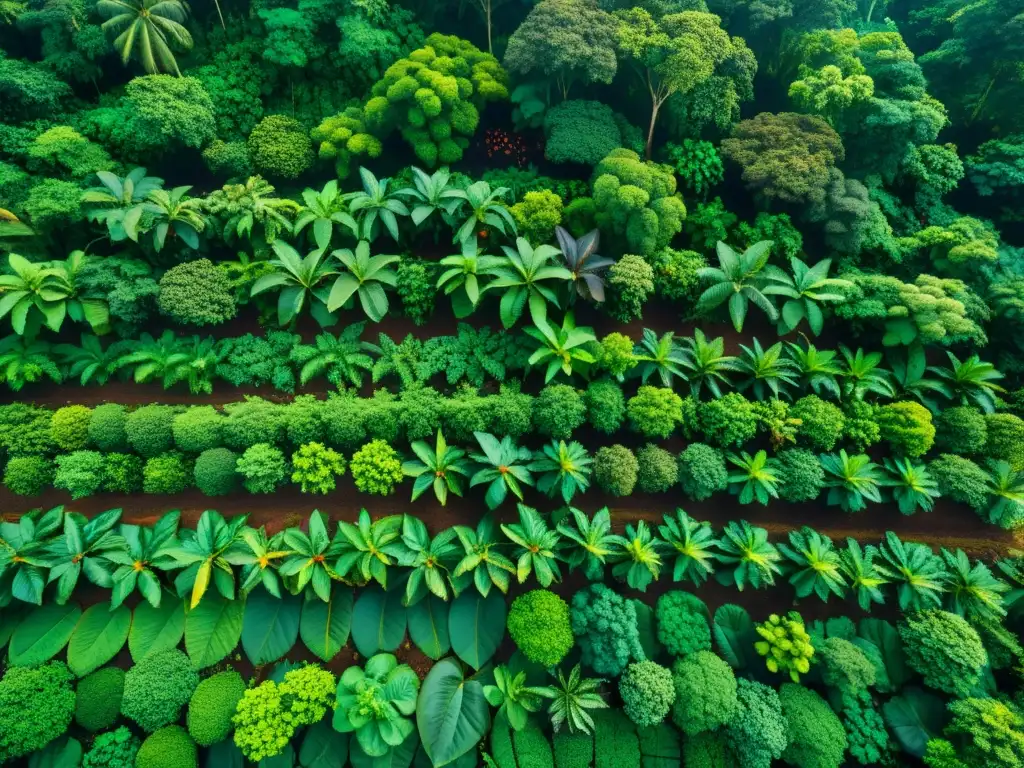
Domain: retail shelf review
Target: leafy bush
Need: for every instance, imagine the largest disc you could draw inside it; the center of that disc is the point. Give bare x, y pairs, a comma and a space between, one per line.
845, 666
702, 471
758, 733
821, 422
98, 699
816, 737
961, 480
961, 430
944, 649
215, 472
729, 420
80, 473
113, 749
657, 469
198, 429
122, 473
150, 430
615, 355
537, 215
785, 645
993, 731
108, 427
866, 735
615, 742
630, 283
416, 281
28, 475
538, 623
532, 747
197, 293
907, 426
605, 626
315, 468
572, 750
169, 473
170, 747
705, 692
655, 411
676, 275
558, 410
801, 474
279, 146
70, 427
264, 468
616, 470
212, 707
156, 689
682, 623
376, 468
254, 420
582, 131
647, 692
606, 406
1005, 439
36, 706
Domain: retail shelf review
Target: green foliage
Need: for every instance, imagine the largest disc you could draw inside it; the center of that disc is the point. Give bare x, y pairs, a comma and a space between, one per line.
70, 427
801, 475
728, 421
816, 736
944, 649
538, 623
215, 471
785, 645
167, 473
616, 470
375, 702
315, 467
80, 473
821, 422
677, 275
697, 163
705, 689
702, 471
605, 626
36, 706
157, 688
279, 146
657, 469
112, 749
28, 475
993, 730
647, 692
682, 623
198, 429
582, 131
961, 480
169, 747
537, 215
655, 412
376, 468
961, 430
558, 410
149, 429
907, 426
606, 406
1005, 434
630, 284
196, 293
98, 699
212, 706
845, 666
758, 733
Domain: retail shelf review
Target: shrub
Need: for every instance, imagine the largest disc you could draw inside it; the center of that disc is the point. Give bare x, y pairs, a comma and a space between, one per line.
415, 286
70, 427
197, 293
606, 406
213, 705
280, 146
682, 621
315, 468
581, 131
821, 422
215, 472
615, 742
801, 474
907, 426
785, 645
706, 750
728, 421
149, 430
538, 623
252, 421
845, 666
702, 471
169, 473
1005, 439
961, 480
376, 468
537, 215
605, 626
816, 737
558, 410
122, 473
630, 283
676, 276
25, 429
108, 427
28, 475
531, 746
113, 749
156, 689
961, 430
264, 468
657, 469
705, 693
655, 411
615, 355
944, 649
511, 411
865, 729
80, 473
36, 706
757, 734
198, 429
616, 470
98, 699
860, 427
647, 692
170, 747
992, 731
572, 750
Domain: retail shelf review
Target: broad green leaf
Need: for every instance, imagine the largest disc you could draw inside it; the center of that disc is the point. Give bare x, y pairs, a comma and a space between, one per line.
659, 746
60, 753
270, 625
156, 629
323, 747
378, 621
452, 714
284, 760
224, 754
915, 717
325, 627
399, 757
98, 637
645, 621
734, 634
885, 637
10, 618
428, 626
212, 629
476, 625
43, 634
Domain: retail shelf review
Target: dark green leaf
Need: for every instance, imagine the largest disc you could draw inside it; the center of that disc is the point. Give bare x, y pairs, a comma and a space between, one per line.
915, 717
323, 747
98, 637
325, 626
212, 629
734, 635
378, 621
270, 626
476, 625
428, 626
43, 634
452, 714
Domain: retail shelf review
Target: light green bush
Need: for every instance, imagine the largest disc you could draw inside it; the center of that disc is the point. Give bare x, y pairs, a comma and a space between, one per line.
212, 707
538, 623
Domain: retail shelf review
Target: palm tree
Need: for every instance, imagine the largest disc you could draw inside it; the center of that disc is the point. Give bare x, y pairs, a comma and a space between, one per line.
536, 547
503, 466
299, 279
660, 355
171, 209
638, 559
969, 380
864, 373
766, 369
366, 277
430, 193
693, 543
564, 349
913, 486
343, 357
738, 280
590, 543
865, 578
753, 560
972, 591
582, 260
755, 477
522, 275
852, 480
486, 209
373, 205
918, 573
323, 210
483, 564
817, 567
147, 28
908, 377
562, 468
242, 206
816, 367
441, 468
806, 289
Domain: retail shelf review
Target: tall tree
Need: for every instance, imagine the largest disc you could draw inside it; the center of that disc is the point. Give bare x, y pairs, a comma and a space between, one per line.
147, 28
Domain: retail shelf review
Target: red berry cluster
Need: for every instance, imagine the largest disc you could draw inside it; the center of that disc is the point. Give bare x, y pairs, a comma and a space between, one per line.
500, 142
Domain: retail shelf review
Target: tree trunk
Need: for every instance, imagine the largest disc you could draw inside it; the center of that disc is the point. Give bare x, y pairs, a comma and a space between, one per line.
871, 10
650, 131
221, 15
490, 48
